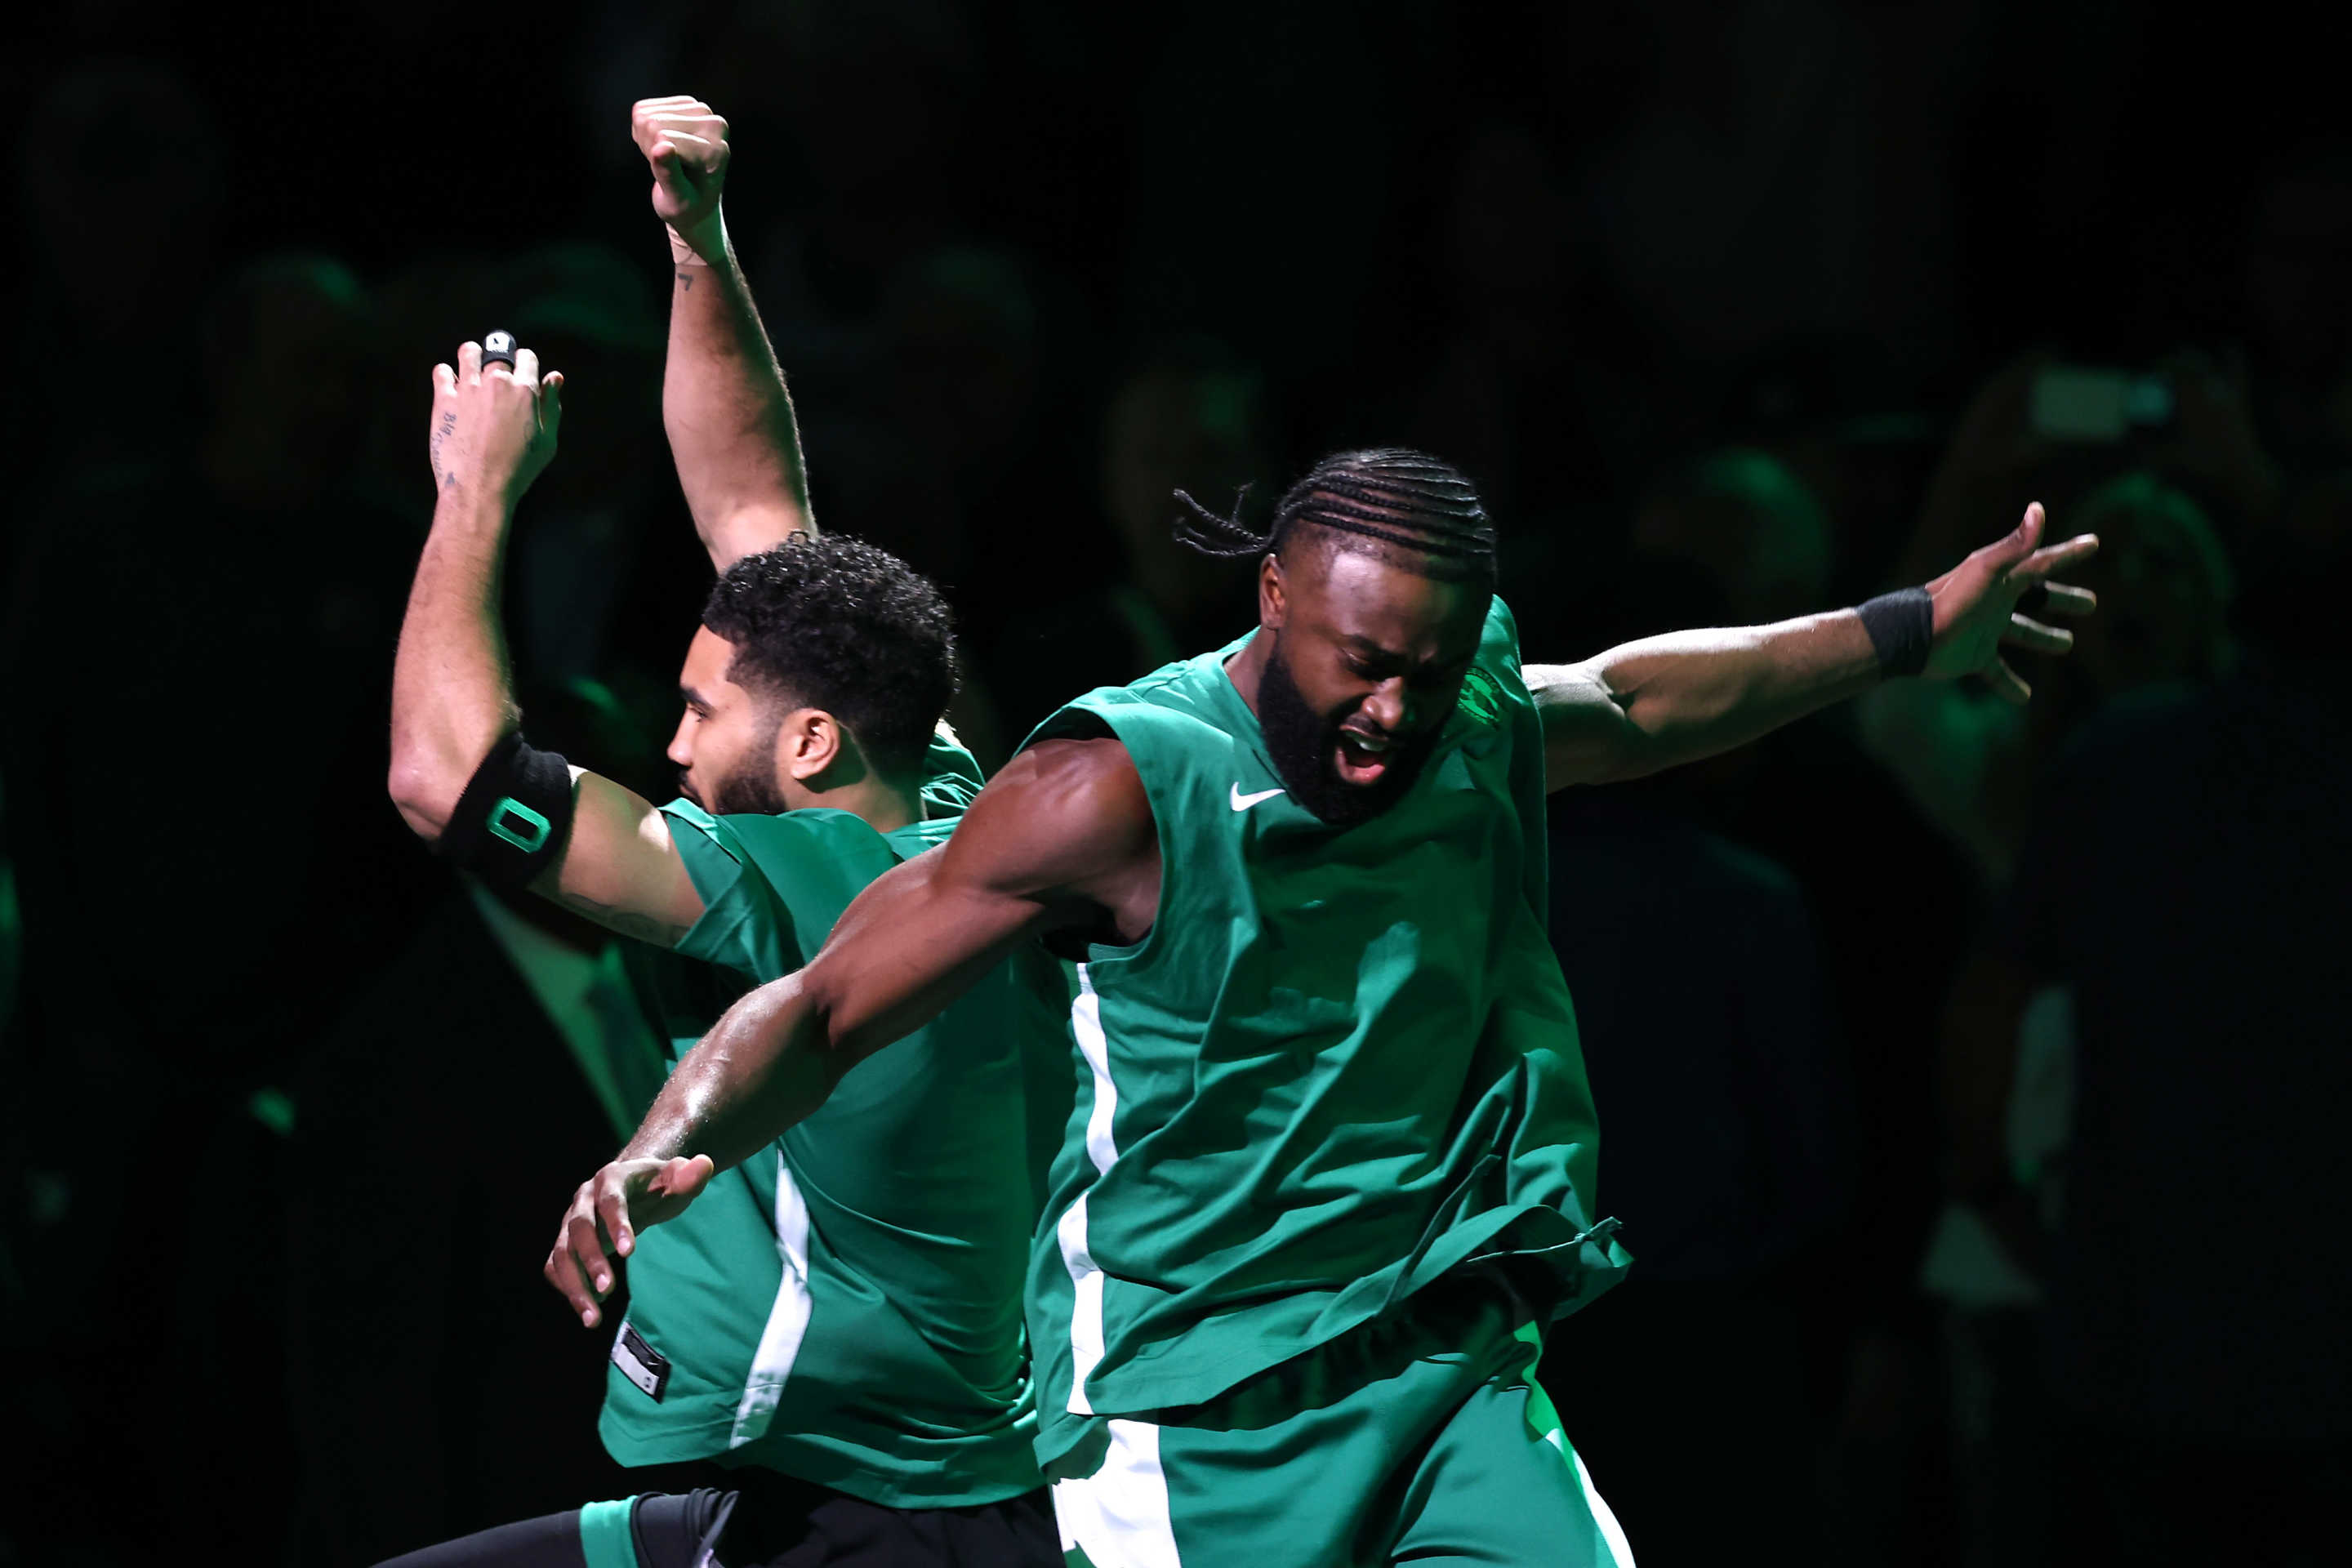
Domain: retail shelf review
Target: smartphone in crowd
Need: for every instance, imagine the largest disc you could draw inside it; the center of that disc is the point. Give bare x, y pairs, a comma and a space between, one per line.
2075, 402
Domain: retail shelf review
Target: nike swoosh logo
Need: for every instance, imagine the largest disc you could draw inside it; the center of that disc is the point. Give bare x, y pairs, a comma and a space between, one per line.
1243, 802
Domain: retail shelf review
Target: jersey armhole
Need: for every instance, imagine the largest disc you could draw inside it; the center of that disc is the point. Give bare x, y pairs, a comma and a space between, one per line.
1085, 723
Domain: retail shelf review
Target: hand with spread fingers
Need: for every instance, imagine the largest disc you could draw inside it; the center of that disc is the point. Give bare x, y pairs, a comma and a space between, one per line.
686, 142
1975, 606
494, 427
608, 1211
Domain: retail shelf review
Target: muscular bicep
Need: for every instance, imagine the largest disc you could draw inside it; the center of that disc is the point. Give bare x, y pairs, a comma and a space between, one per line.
1590, 736
1062, 838
619, 868
914, 941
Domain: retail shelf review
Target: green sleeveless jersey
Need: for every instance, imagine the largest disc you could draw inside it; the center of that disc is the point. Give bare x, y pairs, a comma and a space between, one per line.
1342, 1063
844, 1306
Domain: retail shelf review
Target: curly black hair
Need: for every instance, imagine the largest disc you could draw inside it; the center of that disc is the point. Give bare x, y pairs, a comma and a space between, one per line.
1405, 506
834, 622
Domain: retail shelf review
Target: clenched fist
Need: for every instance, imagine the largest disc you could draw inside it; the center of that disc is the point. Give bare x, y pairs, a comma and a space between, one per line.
493, 430
685, 144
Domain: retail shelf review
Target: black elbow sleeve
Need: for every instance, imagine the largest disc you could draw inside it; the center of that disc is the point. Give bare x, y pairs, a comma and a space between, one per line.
513, 818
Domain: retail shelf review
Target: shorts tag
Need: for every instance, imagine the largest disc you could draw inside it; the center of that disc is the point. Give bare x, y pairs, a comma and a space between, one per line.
640, 1362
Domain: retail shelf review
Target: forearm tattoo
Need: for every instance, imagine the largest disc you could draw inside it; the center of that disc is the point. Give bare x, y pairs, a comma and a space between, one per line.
628, 923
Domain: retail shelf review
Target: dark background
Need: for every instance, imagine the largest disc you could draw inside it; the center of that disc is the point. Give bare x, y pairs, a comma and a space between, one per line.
1732, 311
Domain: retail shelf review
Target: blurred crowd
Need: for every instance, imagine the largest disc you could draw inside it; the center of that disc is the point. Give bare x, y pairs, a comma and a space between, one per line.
1971, 1075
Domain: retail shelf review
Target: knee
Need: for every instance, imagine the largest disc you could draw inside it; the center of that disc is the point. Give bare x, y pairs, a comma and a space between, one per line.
678, 1529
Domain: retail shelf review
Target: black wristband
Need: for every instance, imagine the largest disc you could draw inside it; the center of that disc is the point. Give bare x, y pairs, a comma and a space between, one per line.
1902, 628
512, 820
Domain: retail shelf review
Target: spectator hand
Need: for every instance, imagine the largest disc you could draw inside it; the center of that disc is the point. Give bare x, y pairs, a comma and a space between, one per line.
610, 1208
685, 144
493, 430
1975, 606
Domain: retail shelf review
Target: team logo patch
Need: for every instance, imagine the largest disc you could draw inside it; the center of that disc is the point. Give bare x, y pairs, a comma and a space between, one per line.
640, 1362
1481, 697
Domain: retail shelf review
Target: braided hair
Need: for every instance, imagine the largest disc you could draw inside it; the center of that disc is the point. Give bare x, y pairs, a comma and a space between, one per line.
1405, 506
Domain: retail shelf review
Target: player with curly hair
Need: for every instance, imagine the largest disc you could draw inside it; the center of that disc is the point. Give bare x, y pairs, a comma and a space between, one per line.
839, 1321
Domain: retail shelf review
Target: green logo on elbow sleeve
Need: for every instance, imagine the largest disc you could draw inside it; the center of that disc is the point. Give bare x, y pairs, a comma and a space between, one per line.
519, 825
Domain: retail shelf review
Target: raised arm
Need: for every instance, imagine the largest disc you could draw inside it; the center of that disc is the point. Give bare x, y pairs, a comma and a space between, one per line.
452, 700
1650, 704
492, 432
1062, 838
723, 400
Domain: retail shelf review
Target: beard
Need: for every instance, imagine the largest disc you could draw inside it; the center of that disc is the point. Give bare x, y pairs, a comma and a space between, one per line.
1301, 744
746, 792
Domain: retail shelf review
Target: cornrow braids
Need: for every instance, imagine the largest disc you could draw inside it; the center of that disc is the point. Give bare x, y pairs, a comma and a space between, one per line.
1226, 538
1407, 501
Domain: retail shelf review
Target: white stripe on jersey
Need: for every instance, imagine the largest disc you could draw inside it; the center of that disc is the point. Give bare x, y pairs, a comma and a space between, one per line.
1613, 1535
788, 1317
1086, 1279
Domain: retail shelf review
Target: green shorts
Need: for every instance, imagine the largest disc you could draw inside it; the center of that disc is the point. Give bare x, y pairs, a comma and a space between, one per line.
1423, 1436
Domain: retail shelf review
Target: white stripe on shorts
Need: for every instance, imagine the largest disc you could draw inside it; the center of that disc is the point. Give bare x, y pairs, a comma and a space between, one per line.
1118, 1515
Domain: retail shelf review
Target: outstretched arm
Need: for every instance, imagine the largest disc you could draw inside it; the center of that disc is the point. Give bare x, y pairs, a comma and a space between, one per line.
452, 700
723, 400
1063, 837
1650, 704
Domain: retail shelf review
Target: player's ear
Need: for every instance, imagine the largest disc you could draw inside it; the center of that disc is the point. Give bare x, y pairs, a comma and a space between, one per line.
1273, 593
809, 742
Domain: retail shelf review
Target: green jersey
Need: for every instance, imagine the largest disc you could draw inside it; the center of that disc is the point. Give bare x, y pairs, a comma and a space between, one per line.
844, 1306
1342, 1064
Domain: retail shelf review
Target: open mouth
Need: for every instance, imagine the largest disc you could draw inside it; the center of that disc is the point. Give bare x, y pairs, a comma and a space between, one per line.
1361, 759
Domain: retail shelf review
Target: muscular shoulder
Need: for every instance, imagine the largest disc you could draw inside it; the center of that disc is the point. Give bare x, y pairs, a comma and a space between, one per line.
1063, 816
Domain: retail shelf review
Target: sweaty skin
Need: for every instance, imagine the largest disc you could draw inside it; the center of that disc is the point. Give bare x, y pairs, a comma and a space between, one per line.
1064, 838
